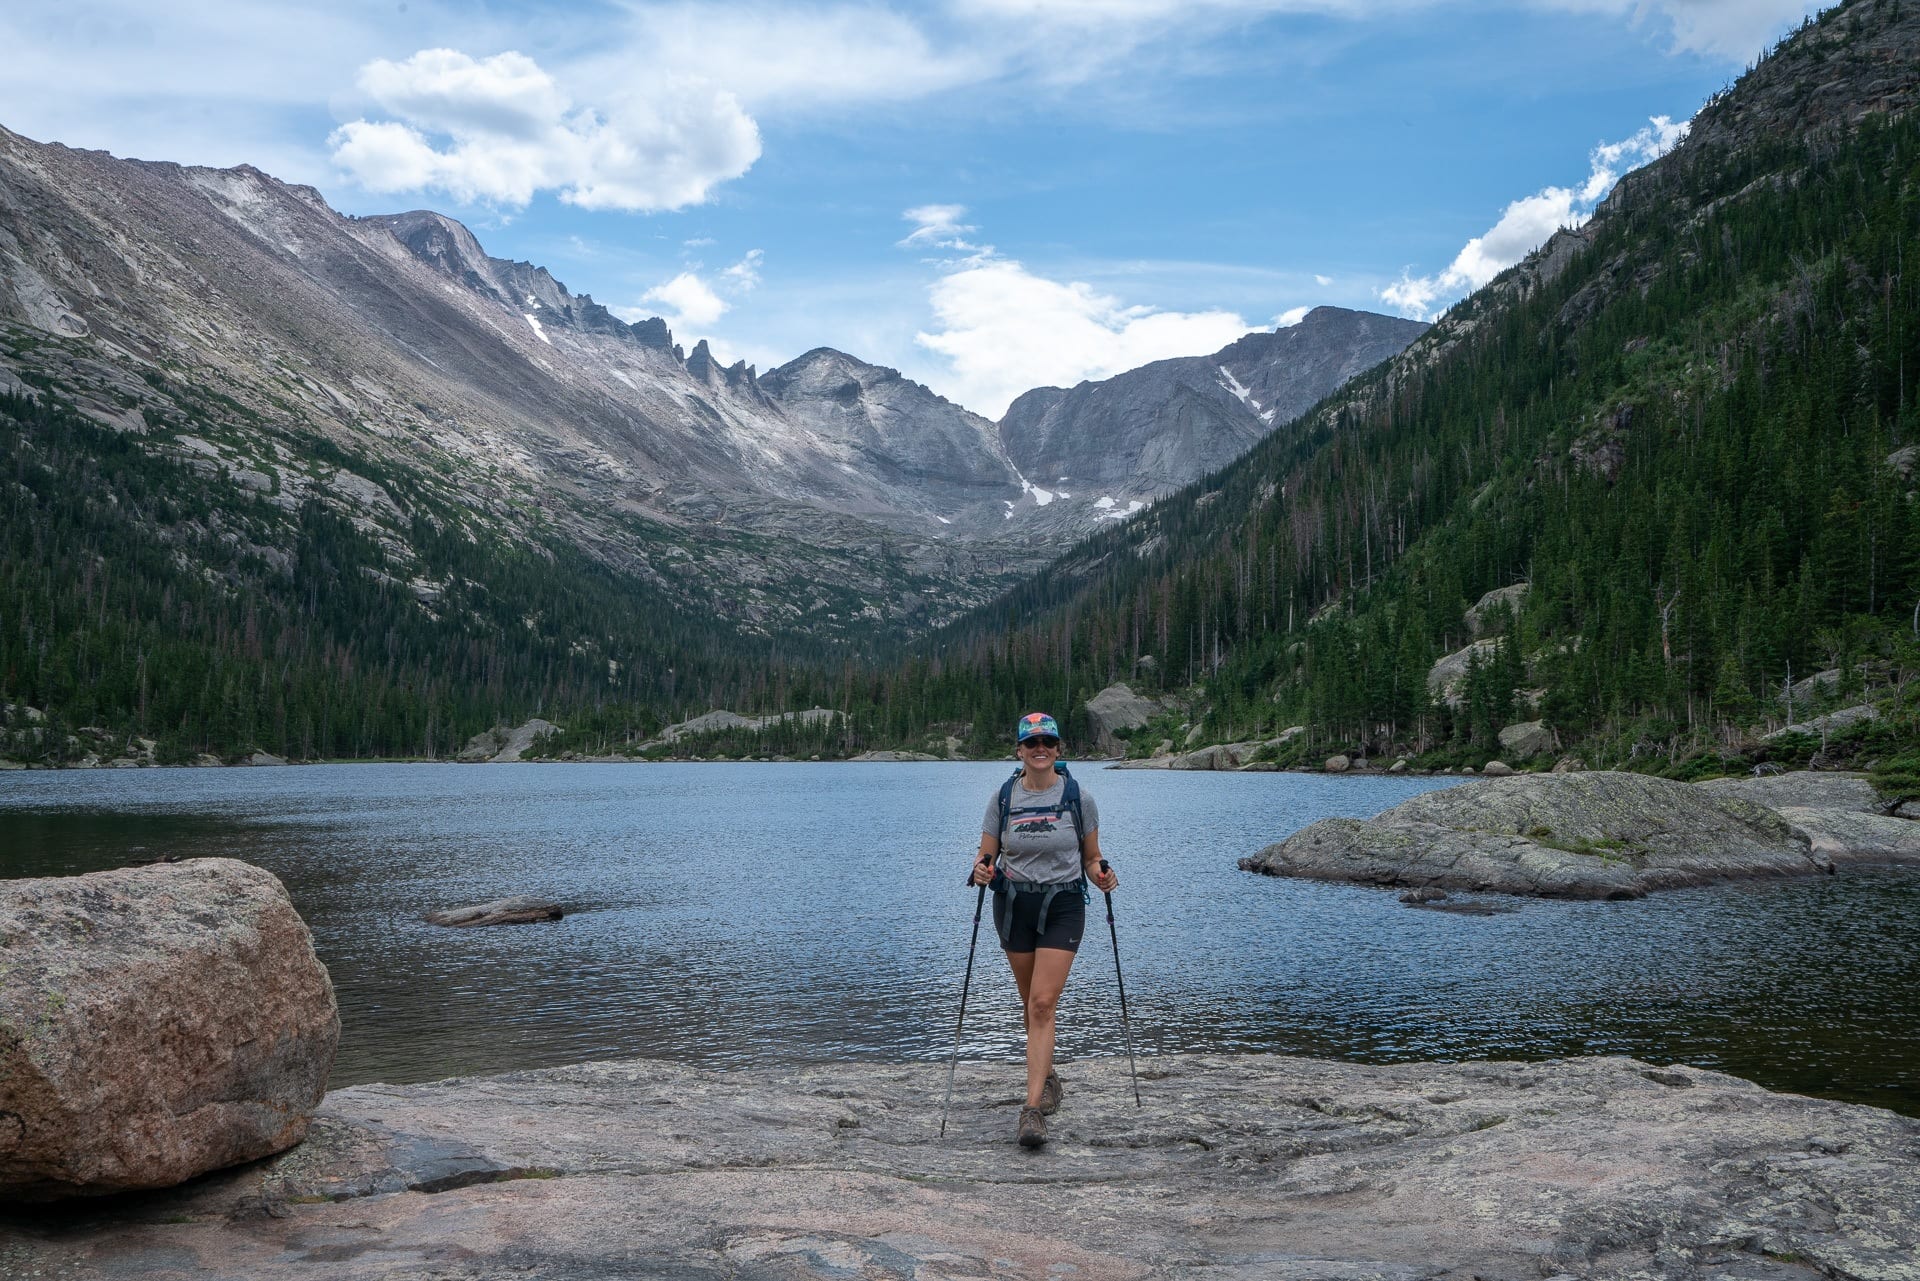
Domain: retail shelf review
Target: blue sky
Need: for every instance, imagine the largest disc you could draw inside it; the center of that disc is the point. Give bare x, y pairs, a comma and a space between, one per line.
987, 194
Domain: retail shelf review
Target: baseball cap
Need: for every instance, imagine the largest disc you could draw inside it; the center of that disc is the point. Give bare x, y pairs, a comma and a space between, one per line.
1034, 723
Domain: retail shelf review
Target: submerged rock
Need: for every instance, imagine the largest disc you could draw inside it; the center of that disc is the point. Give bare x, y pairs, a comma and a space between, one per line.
1589, 835
1236, 1167
155, 1023
501, 911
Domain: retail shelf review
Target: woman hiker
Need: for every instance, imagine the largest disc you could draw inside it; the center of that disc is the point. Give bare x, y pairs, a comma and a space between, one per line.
1039, 845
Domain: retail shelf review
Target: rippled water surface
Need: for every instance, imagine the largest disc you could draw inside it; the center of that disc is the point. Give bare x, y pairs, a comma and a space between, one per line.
747, 913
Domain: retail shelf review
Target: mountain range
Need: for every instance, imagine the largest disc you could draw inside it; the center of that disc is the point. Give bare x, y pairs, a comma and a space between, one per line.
234, 319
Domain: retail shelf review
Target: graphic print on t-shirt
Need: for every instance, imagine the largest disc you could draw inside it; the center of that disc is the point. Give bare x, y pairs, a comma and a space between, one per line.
1032, 822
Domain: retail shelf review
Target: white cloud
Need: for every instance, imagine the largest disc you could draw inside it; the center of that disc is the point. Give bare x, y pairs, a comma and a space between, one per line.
1736, 31
688, 300
1003, 330
745, 274
1528, 222
501, 129
1322, 281
1290, 317
939, 227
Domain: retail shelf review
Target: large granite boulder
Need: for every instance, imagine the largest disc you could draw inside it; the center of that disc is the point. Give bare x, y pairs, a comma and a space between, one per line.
1589, 835
1527, 740
1117, 707
1221, 756
155, 1023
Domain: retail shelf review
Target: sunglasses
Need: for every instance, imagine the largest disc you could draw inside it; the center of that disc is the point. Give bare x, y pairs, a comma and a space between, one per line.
1042, 740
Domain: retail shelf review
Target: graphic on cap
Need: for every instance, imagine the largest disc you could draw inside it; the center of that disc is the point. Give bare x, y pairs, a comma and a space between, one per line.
1037, 723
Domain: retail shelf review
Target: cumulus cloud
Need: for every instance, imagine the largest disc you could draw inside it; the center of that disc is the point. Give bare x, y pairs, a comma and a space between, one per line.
1528, 222
688, 300
501, 129
1003, 329
691, 301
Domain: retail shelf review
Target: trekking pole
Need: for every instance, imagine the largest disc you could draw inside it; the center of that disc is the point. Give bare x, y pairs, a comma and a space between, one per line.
1125, 1022
979, 902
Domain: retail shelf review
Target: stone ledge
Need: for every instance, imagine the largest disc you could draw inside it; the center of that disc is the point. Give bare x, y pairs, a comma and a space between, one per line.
1238, 1166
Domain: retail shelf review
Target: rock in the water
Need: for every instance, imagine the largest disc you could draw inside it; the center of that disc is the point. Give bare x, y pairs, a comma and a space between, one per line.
1590, 835
1117, 707
1338, 764
1812, 789
155, 1023
1425, 894
501, 911
1527, 740
1497, 769
1238, 1168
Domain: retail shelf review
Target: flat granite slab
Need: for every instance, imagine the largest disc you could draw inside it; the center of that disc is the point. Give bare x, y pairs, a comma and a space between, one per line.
1237, 1167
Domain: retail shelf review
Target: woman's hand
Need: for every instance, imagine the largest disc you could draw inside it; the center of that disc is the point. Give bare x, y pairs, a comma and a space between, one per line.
982, 872
1103, 876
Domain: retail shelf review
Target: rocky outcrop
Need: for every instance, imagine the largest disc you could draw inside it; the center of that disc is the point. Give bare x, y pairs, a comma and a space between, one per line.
1221, 756
1850, 837
1235, 1168
1117, 707
1831, 723
1817, 789
501, 911
1447, 679
502, 746
1479, 619
1590, 835
884, 754
155, 1023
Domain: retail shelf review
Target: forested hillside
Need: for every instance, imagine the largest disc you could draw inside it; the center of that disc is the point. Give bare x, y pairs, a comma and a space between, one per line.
1683, 426
139, 599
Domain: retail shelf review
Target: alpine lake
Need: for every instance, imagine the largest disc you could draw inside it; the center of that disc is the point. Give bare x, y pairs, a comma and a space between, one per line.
735, 914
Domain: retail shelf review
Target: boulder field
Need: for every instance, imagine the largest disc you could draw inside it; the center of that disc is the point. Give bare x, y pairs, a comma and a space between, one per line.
155, 1023
1602, 835
1236, 1167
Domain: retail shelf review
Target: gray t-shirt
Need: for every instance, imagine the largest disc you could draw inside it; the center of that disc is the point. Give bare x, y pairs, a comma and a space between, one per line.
1040, 843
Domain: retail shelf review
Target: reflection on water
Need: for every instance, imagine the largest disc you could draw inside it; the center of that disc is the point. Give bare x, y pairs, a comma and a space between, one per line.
754, 913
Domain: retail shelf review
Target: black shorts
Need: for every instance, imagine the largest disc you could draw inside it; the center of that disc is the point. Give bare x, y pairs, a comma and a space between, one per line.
1066, 921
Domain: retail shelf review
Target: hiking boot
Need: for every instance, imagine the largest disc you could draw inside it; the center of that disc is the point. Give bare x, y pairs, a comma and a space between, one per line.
1050, 1094
1033, 1127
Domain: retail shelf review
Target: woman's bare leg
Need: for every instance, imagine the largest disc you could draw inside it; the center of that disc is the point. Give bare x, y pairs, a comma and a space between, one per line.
1040, 993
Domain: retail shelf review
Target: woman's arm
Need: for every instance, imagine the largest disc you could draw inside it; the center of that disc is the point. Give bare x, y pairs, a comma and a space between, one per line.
1090, 857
